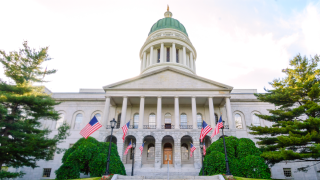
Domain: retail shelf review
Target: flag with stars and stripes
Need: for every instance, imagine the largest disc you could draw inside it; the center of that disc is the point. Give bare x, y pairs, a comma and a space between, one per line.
129, 147
218, 126
91, 127
192, 148
204, 149
125, 130
204, 130
141, 148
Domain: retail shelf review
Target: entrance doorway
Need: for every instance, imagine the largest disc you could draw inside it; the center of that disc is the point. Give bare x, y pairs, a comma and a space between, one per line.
167, 153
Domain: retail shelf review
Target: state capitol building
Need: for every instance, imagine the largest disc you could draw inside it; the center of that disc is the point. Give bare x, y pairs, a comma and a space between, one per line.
165, 105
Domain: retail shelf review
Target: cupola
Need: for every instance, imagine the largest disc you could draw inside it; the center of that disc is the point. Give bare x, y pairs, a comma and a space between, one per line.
168, 44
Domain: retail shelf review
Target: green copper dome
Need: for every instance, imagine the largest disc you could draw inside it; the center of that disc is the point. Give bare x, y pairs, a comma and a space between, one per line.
168, 22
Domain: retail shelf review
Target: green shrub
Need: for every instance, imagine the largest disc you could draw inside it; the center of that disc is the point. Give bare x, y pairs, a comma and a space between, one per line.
214, 163
89, 156
231, 145
7, 174
247, 147
254, 167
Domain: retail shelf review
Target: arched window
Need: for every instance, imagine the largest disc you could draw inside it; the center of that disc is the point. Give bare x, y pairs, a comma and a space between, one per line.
152, 120
184, 152
238, 120
255, 120
78, 121
183, 121
199, 120
98, 116
60, 121
135, 121
216, 118
118, 121
150, 154
167, 118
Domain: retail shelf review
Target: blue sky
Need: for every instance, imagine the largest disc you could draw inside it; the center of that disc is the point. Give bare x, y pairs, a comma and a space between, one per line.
244, 44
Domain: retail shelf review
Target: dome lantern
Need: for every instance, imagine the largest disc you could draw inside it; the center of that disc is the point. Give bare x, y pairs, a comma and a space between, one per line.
168, 14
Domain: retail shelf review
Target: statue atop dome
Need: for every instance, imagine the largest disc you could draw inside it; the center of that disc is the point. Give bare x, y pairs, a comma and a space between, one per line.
168, 14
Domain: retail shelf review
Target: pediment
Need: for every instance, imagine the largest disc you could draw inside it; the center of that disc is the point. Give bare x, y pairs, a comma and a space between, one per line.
168, 78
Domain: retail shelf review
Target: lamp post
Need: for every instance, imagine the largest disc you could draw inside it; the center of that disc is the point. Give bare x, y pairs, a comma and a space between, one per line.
133, 146
112, 124
228, 173
201, 147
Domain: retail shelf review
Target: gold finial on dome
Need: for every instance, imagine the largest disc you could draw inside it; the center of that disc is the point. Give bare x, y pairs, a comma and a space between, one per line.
168, 14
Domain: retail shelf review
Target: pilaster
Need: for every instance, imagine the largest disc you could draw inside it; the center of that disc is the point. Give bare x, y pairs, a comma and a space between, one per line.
159, 109
106, 111
194, 113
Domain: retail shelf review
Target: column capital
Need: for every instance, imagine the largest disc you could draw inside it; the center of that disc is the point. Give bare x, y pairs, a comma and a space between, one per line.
193, 96
159, 96
108, 96
176, 96
125, 96
141, 96
210, 97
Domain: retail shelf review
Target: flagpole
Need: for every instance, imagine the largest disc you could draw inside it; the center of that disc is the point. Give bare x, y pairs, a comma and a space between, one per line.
228, 173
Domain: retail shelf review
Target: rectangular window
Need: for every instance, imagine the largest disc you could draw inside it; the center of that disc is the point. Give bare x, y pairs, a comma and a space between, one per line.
177, 55
158, 60
168, 54
46, 172
287, 172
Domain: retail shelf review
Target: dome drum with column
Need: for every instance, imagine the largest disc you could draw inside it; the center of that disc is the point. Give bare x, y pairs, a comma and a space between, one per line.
168, 45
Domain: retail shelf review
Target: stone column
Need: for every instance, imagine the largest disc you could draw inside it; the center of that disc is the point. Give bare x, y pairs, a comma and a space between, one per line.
194, 65
141, 113
229, 114
106, 111
191, 61
176, 113
194, 113
173, 53
177, 153
158, 153
124, 111
184, 56
144, 59
137, 152
211, 113
162, 53
151, 56
197, 154
159, 107
141, 65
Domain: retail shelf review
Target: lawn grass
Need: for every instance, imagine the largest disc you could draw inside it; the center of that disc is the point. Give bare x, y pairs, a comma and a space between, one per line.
242, 178
94, 178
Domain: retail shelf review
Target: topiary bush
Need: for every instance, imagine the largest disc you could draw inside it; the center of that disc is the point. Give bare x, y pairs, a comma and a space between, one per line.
247, 147
254, 167
89, 156
214, 163
239, 153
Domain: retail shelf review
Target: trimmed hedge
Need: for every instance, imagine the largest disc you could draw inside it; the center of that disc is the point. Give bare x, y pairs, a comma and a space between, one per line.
244, 159
89, 156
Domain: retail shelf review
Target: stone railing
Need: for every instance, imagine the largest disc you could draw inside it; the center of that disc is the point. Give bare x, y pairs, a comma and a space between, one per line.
186, 127
167, 127
149, 126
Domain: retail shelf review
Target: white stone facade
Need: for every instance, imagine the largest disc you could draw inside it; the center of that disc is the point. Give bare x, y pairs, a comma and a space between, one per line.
169, 92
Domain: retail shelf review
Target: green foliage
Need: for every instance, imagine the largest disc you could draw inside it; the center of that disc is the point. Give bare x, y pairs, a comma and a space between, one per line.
214, 163
231, 144
89, 156
295, 133
6, 174
240, 150
247, 147
22, 137
253, 167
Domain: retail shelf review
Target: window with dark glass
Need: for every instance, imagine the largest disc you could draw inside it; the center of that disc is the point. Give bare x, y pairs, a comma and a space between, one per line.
158, 60
46, 172
177, 55
118, 121
216, 118
168, 54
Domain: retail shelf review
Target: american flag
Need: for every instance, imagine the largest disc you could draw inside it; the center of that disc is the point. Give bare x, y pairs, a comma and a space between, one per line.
192, 149
218, 126
91, 127
125, 130
204, 149
129, 147
204, 130
141, 148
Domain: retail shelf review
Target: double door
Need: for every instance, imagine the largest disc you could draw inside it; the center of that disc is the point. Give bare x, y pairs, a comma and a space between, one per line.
167, 155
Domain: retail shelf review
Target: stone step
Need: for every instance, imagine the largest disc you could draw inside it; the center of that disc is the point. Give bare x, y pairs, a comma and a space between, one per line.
165, 177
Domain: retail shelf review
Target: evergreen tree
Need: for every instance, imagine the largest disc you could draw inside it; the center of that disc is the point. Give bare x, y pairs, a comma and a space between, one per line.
294, 134
23, 140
